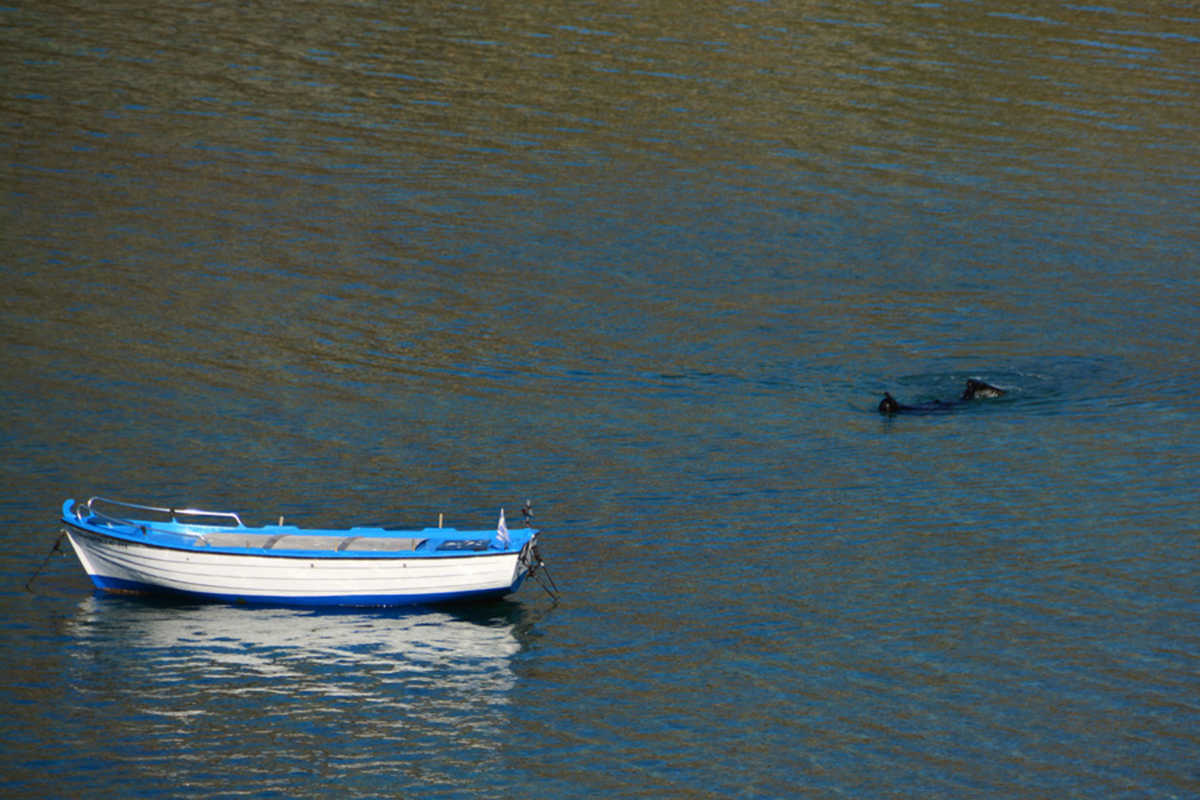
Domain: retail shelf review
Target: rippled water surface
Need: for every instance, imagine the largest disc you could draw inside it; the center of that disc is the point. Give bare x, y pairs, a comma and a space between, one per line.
651, 266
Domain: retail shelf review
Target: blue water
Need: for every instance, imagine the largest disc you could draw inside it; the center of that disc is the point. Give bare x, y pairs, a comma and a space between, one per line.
651, 266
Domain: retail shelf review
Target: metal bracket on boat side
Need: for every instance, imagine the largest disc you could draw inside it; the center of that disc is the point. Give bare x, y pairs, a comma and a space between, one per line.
532, 558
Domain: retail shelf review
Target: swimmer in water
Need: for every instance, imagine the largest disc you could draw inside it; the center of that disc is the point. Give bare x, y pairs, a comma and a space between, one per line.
975, 390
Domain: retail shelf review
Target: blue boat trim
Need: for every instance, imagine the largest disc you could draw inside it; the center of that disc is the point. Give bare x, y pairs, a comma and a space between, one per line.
121, 586
435, 542
295, 554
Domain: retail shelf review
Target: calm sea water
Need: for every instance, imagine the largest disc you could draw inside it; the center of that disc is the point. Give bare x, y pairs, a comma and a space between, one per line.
652, 266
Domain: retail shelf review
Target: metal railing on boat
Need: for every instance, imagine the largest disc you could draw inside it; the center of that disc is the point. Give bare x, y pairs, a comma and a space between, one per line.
172, 513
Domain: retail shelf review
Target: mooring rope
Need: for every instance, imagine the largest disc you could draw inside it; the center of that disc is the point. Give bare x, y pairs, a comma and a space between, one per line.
45, 561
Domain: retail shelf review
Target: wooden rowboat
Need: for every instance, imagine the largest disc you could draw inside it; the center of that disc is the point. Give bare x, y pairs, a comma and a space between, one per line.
212, 555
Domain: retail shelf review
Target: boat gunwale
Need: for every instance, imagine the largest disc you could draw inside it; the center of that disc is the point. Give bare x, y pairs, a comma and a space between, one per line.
521, 538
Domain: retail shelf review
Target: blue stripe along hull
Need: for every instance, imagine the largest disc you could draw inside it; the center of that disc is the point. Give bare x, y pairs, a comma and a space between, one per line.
122, 586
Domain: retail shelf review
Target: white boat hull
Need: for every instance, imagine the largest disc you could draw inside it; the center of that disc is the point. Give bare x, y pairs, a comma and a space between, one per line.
120, 565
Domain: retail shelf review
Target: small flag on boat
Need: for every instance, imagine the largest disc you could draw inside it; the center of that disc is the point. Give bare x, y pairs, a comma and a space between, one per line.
502, 531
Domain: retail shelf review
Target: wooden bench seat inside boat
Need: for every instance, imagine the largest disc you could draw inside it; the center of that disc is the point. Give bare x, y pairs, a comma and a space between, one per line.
292, 541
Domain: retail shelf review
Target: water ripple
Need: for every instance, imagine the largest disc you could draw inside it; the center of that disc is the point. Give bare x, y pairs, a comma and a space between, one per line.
652, 267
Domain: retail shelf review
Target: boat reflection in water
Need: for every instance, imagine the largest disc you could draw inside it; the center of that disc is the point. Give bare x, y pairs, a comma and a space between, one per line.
311, 694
